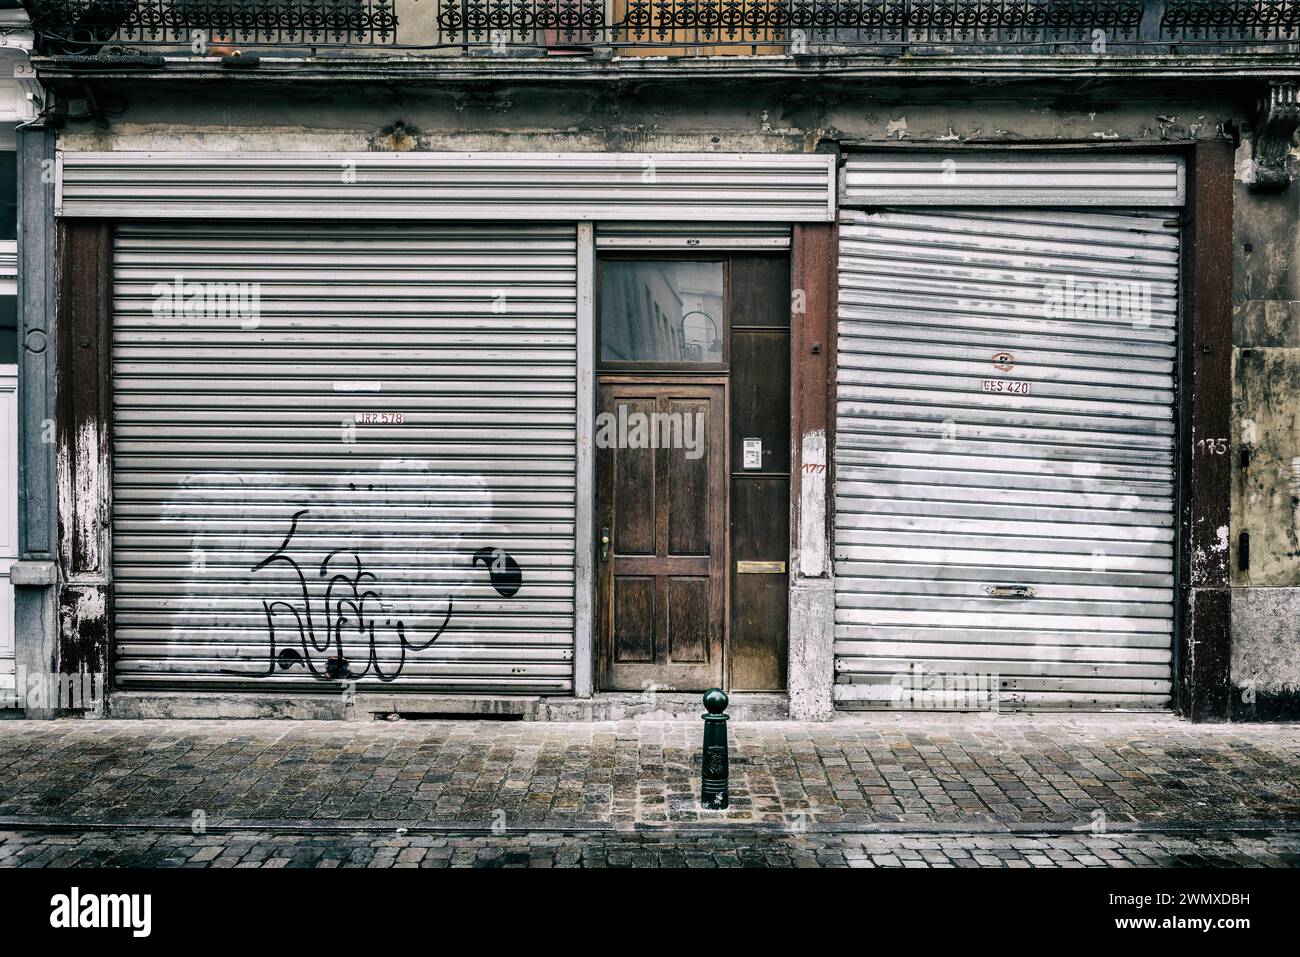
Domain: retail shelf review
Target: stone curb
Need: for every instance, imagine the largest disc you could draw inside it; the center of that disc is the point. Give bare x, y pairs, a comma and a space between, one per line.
703, 828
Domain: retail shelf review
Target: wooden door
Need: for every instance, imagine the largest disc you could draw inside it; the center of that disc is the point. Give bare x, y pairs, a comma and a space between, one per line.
661, 520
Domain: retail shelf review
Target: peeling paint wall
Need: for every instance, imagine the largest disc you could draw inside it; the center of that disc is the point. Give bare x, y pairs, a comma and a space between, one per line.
757, 116
1266, 454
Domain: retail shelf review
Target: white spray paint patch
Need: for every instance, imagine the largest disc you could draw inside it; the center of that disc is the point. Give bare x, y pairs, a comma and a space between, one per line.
812, 505
81, 493
897, 128
411, 527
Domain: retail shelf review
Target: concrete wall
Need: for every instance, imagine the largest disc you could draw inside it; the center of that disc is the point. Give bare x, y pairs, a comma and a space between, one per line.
786, 116
758, 116
1266, 455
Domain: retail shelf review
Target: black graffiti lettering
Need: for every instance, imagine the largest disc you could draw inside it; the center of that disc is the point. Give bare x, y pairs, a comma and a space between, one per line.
347, 593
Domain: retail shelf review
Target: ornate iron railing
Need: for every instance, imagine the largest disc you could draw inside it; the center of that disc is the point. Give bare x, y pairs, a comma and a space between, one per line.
84, 25
1228, 20
852, 22
679, 26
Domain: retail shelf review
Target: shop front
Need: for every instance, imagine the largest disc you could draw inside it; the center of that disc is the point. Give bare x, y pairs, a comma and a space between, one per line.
497, 428
536, 426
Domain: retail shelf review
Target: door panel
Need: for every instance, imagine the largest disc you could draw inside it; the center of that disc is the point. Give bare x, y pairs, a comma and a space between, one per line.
688, 491
688, 619
634, 610
634, 478
760, 536
661, 499
760, 484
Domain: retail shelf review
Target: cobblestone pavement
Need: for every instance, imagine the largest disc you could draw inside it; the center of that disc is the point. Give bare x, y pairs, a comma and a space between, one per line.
965, 771
249, 849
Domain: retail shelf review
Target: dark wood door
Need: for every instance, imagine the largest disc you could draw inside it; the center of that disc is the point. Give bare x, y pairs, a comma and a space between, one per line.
661, 462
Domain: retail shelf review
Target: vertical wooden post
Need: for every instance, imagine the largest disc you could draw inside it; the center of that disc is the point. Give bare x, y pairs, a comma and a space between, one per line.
812, 481
1205, 487
812, 351
83, 430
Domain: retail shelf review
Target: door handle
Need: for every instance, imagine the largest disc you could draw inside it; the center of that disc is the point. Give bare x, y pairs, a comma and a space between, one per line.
604, 544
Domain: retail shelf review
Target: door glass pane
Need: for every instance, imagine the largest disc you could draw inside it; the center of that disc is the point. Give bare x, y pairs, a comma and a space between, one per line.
661, 311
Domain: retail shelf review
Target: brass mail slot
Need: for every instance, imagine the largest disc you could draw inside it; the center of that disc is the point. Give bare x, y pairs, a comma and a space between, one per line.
760, 568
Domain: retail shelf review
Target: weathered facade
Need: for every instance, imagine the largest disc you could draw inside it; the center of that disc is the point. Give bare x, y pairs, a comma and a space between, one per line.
15, 107
981, 328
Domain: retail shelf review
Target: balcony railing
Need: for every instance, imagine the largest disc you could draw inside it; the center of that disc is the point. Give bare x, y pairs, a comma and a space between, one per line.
84, 26
675, 27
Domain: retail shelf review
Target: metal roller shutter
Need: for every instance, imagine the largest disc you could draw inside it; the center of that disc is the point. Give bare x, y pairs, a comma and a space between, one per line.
1010, 178
1005, 458
726, 187
693, 236
378, 457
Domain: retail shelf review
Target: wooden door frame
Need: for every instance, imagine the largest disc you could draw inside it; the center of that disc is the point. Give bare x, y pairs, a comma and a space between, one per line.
603, 640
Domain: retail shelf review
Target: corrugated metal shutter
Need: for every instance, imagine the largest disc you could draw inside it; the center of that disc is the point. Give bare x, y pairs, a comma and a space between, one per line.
458, 186
690, 236
1007, 178
996, 434
388, 438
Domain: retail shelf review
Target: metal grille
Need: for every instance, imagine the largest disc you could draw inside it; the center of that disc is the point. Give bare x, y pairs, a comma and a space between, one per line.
1220, 20
703, 187
344, 451
555, 22
675, 26
75, 26
1004, 528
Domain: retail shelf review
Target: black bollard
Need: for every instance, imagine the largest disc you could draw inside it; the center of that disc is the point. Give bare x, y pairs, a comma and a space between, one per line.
714, 766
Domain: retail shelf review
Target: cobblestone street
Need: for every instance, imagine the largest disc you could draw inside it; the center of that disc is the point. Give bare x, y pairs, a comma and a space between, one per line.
911, 790
263, 849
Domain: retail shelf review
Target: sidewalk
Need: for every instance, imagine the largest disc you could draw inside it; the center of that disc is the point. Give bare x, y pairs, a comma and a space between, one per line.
958, 774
